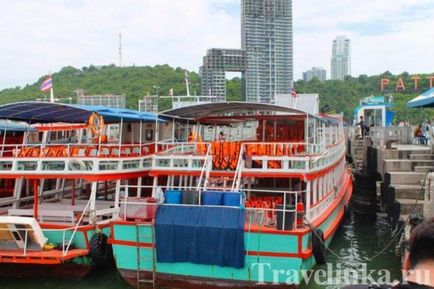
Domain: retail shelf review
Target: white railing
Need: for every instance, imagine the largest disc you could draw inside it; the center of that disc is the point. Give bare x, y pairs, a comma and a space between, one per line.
307, 157
77, 150
238, 172
205, 169
76, 227
66, 243
182, 156
130, 207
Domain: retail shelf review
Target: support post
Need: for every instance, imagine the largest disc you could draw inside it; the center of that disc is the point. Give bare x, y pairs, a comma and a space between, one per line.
35, 199
73, 193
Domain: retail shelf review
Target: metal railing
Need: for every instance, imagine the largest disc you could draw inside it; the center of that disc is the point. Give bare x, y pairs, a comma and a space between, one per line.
77, 150
291, 198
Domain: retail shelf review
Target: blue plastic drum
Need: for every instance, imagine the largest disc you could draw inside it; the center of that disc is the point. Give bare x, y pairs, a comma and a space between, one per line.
172, 197
232, 199
212, 198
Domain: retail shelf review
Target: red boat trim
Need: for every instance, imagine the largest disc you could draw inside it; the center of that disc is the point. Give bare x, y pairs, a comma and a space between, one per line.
88, 176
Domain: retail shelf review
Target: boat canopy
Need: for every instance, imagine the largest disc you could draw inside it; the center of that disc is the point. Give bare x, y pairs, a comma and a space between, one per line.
15, 126
223, 112
426, 99
46, 112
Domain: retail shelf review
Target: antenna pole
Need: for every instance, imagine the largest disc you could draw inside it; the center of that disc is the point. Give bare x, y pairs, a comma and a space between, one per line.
120, 49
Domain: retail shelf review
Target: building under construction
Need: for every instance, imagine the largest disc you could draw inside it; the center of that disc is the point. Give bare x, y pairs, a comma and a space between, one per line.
265, 58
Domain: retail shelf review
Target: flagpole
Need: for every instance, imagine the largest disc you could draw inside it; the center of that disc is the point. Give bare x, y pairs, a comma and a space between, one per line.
51, 90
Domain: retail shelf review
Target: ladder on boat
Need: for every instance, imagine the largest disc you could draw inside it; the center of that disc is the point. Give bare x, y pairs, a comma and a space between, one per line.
152, 259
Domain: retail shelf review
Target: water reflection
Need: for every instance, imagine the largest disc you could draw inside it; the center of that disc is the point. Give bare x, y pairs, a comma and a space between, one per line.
358, 239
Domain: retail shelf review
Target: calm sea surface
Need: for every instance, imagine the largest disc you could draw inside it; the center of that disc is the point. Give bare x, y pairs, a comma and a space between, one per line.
357, 239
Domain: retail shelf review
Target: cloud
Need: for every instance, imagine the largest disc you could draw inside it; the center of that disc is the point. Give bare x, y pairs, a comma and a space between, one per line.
385, 35
47, 35
38, 36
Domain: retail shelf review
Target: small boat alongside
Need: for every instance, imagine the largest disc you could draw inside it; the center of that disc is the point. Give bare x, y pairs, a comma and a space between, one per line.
248, 195
67, 173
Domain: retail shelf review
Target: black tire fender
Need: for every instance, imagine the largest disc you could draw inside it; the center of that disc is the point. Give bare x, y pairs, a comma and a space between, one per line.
100, 251
318, 246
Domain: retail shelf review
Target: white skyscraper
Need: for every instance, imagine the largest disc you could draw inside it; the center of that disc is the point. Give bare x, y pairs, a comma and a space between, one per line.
341, 58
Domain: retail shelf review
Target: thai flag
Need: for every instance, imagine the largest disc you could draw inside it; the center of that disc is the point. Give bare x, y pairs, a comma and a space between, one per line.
293, 92
47, 84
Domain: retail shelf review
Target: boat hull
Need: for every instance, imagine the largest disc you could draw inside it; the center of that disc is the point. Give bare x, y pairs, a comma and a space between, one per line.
181, 282
284, 254
65, 270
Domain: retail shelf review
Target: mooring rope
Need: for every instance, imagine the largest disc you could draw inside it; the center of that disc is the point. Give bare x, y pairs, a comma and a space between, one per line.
398, 233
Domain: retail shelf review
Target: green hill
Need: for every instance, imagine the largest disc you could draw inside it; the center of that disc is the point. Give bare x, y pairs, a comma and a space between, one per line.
138, 81
344, 95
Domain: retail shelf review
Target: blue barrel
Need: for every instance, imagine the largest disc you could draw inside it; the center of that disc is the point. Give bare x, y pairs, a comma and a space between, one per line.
232, 199
212, 198
172, 197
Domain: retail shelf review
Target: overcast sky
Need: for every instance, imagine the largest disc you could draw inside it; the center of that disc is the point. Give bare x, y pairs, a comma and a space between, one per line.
42, 35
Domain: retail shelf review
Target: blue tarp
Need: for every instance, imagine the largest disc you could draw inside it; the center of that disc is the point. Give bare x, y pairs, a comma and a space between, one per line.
426, 99
200, 235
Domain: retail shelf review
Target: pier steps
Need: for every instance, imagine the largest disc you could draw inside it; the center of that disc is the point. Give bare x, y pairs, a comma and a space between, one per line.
423, 169
407, 206
407, 191
406, 178
407, 165
419, 156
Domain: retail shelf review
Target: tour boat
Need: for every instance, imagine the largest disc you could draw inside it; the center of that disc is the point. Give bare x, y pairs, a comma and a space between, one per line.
67, 171
244, 195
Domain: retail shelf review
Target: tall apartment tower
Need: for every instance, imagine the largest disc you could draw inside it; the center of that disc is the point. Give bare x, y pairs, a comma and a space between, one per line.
266, 36
265, 58
341, 58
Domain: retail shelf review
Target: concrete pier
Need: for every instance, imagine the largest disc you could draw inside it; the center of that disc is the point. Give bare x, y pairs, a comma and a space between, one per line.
400, 168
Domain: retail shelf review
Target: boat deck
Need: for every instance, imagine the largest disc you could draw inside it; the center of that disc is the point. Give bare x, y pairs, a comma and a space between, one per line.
40, 257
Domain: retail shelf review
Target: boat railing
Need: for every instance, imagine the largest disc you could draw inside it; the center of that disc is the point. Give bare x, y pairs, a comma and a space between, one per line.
23, 235
289, 157
78, 159
204, 174
78, 150
262, 209
238, 172
182, 156
80, 220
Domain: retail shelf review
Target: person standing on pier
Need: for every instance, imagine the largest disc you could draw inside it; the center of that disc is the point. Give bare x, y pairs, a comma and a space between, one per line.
419, 135
361, 123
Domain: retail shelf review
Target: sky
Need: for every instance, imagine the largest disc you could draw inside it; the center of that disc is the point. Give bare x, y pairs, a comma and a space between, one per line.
45, 35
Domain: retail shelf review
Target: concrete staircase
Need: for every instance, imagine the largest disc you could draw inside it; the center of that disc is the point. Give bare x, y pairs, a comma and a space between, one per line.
357, 153
406, 177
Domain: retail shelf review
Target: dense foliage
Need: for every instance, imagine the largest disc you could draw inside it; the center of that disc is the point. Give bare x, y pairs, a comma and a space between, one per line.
136, 82
344, 95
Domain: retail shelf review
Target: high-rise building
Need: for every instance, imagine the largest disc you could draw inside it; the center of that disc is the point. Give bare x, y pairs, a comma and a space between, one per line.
317, 72
265, 58
213, 72
266, 36
341, 58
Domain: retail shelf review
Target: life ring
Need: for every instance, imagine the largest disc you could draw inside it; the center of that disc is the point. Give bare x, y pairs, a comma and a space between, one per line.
318, 246
76, 165
100, 251
96, 123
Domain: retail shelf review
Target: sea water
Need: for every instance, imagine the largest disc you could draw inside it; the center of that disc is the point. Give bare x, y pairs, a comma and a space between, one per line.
358, 238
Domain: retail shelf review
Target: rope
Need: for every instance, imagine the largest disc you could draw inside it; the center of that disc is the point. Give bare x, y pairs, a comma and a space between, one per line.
398, 233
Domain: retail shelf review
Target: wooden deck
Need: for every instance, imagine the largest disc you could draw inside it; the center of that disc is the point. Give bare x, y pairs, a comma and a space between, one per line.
40, 257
